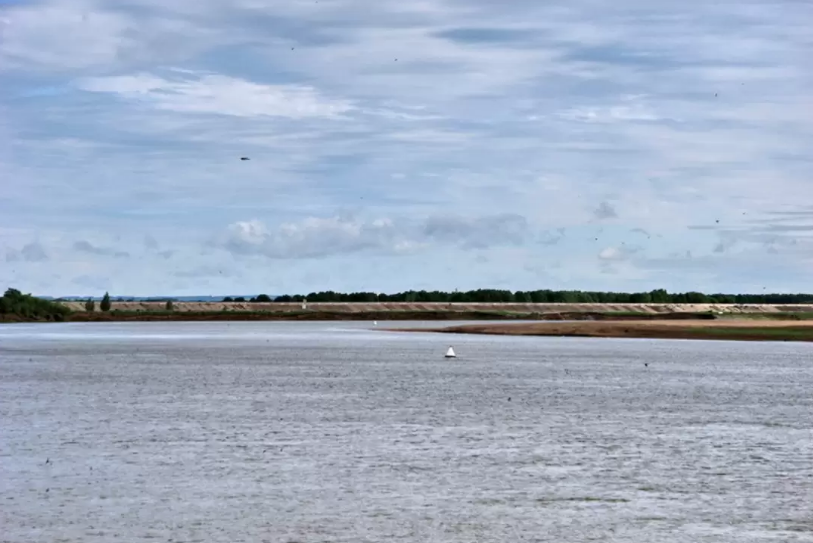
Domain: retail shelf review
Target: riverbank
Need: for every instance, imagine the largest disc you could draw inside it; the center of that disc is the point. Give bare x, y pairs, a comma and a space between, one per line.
721, 329
198, 316
243, 311
459, 308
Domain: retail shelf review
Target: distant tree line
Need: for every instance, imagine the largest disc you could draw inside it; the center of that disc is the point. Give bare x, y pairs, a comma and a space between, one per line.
262, 298
16, 304
544, 296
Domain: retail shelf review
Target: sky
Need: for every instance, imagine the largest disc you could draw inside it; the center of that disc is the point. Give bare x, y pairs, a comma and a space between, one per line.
431, 144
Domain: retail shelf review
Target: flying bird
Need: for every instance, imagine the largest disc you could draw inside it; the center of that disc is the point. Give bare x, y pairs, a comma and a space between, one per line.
244, 158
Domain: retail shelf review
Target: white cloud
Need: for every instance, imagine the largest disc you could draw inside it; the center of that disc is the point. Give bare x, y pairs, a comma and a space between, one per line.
519, 130
610, 253
61, 36
84, 246
618, 253
610, 114
219, 94
247, 233
317, 237
478, 232
313, 237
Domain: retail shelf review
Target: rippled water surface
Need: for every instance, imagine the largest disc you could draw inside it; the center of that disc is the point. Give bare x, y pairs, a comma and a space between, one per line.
317, 432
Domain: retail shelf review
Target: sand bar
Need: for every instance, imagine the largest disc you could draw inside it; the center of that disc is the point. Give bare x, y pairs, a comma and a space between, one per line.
723, 329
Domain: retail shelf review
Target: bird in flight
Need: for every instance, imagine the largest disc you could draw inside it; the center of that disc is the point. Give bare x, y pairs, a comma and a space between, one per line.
244, 158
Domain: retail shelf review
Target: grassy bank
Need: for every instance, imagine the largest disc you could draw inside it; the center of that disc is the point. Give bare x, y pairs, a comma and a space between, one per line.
756, 333
117, 315
739, 330
400, 315
779, 316
196, 316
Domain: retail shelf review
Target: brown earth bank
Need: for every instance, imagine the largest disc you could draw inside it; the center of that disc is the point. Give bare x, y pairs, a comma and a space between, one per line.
724, 329
381, 316
352, 307
665, 318
240, 311
285, 316
118, 315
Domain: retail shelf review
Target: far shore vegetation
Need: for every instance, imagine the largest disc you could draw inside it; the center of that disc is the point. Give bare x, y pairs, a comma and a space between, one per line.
657, 296
18, 307
14, 305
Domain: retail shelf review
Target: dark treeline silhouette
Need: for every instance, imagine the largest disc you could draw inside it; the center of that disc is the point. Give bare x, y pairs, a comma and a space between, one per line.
16, 304
261, 299
548, 296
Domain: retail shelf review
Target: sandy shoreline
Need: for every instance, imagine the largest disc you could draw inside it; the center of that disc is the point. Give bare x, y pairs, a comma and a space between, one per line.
723, 329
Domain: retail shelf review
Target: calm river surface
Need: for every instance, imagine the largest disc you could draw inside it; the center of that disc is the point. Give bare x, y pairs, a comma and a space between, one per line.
328, 432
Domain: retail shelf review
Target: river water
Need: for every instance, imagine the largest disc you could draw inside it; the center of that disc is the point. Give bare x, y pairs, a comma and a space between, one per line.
329, 432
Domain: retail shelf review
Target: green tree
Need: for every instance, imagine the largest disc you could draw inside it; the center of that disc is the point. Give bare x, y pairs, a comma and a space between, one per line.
544, 296
90, 305
170, 306
522, 297
641, 298
29, 307
660, 296
696, 298
13, 294
105, 305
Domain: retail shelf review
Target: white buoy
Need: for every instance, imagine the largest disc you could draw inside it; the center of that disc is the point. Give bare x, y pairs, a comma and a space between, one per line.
450, 353
375, 323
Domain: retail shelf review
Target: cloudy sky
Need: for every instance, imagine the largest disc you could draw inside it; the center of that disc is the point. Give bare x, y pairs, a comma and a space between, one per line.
445, 144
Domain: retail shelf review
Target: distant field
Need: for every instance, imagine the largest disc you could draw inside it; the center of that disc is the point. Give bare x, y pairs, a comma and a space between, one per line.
198, 307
